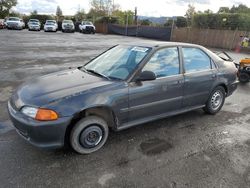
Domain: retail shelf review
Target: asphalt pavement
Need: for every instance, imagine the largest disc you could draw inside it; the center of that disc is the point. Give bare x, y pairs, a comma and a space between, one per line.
189, 150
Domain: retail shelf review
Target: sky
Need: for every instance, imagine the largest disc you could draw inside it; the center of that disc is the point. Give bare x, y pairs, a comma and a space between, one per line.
154, 8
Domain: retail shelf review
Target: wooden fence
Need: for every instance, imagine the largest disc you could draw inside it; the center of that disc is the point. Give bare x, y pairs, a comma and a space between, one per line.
226, 39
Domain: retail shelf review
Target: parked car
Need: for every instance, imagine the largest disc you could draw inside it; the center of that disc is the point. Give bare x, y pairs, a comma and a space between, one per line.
2, 24
123, 87
34, 25
50, 25
87, 27
15, 23
68, 26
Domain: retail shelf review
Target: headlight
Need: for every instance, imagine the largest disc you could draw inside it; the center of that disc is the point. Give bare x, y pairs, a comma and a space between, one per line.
40, 114
29, 111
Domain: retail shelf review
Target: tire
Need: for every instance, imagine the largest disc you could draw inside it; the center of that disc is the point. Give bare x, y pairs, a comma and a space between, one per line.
89, 135
215, 101
244, 77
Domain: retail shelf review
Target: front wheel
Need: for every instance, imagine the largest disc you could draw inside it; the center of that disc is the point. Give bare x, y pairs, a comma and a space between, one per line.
216, 100
89, 135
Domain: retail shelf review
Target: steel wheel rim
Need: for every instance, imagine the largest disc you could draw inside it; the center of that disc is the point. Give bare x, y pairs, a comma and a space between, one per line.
91, 136
216, 100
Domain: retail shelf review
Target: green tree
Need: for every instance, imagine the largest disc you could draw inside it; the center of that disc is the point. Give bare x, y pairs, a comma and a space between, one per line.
80, 15
190, 13
208, 11
224, 10
58, 12
146, 22
240, 9
5, 6
34, 12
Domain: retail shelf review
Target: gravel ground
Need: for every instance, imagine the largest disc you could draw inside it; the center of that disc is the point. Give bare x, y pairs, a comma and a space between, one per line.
188, 150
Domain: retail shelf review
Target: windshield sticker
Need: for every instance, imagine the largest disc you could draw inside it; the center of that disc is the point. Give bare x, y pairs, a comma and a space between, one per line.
140, 49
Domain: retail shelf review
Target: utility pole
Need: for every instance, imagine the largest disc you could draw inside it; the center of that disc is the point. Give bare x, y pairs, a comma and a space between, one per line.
135, 16
127, 25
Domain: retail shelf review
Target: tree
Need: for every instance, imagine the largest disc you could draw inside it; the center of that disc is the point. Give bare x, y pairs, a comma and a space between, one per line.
34, 12
5, 6
80, 15
146, 22
103, 7
224, 10
190, 13
58, 12
208, 11
240, 9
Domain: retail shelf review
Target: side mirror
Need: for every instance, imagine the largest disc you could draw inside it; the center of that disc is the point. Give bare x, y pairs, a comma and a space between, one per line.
146, 76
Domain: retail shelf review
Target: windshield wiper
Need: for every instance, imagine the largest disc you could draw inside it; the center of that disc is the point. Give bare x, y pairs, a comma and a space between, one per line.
96, 73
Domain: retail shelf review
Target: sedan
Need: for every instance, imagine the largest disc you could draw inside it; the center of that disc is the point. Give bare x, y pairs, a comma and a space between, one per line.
125, 86
34, 26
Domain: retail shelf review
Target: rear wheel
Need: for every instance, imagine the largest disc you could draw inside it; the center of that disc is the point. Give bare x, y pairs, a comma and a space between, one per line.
89, 135
244, 77
216, 100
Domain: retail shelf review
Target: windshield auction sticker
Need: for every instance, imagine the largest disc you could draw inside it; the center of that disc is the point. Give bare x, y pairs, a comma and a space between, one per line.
140, 49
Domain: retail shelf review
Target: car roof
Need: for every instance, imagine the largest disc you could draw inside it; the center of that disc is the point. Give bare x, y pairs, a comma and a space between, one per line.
160, 44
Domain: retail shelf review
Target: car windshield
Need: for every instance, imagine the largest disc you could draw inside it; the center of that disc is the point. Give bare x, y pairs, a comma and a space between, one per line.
118, 62
34, 23
67, 21
87, 23
13, 19
50, 23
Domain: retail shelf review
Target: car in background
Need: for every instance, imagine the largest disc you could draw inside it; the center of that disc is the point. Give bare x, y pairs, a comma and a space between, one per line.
125, 86
50, 25
68, 26
15, 23
32, 24
2, 24
87, 27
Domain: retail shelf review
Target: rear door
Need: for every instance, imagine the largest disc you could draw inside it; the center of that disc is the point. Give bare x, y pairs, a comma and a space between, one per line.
199, 76
160, 96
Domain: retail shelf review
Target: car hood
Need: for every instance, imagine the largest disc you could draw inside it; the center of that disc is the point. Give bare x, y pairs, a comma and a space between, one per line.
55, 86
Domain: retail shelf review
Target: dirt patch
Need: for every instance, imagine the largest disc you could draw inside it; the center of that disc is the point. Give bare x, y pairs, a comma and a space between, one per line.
155, 146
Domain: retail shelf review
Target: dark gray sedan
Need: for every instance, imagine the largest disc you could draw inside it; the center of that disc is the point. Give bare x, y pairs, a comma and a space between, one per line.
123, 87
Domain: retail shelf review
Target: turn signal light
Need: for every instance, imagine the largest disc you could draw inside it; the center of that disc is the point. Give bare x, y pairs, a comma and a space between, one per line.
46, 115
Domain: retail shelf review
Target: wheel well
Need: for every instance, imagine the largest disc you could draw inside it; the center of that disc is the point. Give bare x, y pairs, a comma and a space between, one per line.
104, 112
225, 87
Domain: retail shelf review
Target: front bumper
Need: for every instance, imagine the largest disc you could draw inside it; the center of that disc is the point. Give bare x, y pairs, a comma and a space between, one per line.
68, 29
34, 28
13, 26
50, 29
43, 134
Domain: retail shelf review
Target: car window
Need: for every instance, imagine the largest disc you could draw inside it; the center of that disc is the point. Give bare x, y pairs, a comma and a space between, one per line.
164, 62
195, 60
